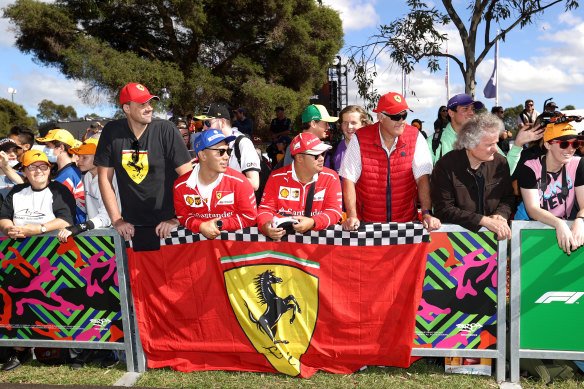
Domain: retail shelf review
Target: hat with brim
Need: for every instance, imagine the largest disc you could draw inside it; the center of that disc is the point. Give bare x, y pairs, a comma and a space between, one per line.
59, 135
215, 111
317, 112
87, 148
32, 156
210, 138
391, 103
561, 131
135, 92
308, 143
7, 143
463, 100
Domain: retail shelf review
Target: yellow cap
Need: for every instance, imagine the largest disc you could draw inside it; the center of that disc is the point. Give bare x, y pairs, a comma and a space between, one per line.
87, 148
554, 131
32, 156
60, 135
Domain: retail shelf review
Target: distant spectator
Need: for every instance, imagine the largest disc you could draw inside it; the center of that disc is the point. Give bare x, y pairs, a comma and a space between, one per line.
279, 149
186, 135
58, 143
214, 197
315, 120
216, 116
551, 107
418, 124
8, 160
386, 169
280, 125
528, 115
352, 118
97, 216
505, 135
305, 181
442, 120
242, 122
33, 208
93, 131
471, 185
552, 186
23, 137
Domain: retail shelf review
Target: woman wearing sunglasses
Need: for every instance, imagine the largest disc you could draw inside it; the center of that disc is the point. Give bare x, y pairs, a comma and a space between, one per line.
552, 186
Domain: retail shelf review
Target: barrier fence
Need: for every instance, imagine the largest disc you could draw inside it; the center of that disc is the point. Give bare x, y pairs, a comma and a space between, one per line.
346, 273
546, 297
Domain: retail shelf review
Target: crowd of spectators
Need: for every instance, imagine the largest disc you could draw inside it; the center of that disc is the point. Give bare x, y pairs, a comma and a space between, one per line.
137, 175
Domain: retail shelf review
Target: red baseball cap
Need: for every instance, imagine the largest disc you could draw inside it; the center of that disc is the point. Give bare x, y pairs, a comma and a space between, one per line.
308, 143
392, 103
135, 92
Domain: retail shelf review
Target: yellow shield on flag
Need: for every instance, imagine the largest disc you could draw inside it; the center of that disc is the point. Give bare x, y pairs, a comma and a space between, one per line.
276, 305
136, 170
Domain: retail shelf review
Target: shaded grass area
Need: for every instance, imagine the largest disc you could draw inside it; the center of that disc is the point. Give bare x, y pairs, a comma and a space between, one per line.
419, 375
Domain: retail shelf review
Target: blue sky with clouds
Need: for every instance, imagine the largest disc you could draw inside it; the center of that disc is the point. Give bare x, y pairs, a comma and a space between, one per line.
543, 60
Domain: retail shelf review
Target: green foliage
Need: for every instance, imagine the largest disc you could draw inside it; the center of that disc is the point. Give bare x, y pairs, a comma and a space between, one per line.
510, 119
12, 114
568, 107
417, 36
49, 111
201, 51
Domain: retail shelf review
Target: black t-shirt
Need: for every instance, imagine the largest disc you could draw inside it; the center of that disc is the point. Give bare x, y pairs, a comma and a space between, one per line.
278, 126
25, 205
145, 179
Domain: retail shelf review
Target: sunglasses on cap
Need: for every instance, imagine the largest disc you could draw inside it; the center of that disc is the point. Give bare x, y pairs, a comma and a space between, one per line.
564, 143
396, 117
221, 151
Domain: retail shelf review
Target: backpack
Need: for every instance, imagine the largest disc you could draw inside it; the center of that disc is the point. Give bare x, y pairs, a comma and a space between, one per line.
265, 170
52, 356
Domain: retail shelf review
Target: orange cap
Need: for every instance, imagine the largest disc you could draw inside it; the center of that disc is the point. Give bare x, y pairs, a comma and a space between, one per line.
87, 148
32, 156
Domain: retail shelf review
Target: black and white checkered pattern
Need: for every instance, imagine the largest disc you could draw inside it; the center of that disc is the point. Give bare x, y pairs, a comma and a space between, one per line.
369, 234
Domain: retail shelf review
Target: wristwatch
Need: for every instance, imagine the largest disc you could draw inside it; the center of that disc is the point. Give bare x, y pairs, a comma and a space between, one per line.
219, 224
43, 229
426, 212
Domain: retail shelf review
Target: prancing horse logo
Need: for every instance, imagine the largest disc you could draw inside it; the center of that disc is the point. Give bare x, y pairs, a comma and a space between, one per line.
275, 305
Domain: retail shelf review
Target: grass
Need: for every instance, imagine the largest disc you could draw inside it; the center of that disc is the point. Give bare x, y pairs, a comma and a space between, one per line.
419, 375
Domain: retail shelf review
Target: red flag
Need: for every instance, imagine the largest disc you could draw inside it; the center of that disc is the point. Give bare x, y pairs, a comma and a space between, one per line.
283, 307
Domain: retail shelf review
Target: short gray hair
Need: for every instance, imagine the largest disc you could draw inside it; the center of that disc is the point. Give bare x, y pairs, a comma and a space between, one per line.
472, 131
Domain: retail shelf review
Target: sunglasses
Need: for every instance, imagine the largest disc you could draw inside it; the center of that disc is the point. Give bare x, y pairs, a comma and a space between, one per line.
443, 110
317, 156
564, 143
396, 117
221, 151
136, 153
530, 105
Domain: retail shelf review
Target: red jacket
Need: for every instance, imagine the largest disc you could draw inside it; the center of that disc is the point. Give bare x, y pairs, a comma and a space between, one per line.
384, 196
285, 194
233, 200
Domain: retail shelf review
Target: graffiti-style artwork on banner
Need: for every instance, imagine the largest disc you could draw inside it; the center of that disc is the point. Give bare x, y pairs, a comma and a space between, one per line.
54, 291
459, 302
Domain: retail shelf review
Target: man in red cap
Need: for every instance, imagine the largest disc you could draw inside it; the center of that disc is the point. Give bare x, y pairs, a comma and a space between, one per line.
305, 190
147, 156
386, 169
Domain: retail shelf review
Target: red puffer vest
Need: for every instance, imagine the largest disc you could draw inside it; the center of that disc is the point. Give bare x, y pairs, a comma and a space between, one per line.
383, 197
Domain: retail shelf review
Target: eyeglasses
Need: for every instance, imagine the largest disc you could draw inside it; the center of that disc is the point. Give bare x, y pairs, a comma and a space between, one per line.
34, 168
396, 117
185, 135
317, 156
564, 143
136, 153
221, 151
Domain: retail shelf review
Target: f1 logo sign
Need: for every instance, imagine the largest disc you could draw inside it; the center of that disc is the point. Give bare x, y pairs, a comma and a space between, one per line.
567, 297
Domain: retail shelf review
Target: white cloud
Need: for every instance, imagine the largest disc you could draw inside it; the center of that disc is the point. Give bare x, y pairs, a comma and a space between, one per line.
569, 18
355, 15
7, 37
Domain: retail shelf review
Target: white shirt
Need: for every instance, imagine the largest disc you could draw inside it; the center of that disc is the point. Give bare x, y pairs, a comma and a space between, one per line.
351, 166
249, 157
96, 211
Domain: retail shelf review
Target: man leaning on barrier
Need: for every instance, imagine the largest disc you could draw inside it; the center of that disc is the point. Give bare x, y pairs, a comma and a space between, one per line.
471, 185
214, 197
552, 186
386, 168
306, 191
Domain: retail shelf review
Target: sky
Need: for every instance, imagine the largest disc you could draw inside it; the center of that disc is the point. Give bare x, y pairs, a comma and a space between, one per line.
545, 59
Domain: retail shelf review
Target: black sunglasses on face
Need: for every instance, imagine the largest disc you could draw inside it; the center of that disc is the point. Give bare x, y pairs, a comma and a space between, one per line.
564, 143
444, 110
396, 117
221, 151
315, 156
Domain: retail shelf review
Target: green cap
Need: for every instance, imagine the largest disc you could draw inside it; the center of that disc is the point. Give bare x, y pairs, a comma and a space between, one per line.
317, 112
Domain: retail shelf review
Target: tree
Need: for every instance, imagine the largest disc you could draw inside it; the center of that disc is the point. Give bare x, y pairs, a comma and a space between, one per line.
418, 35
568, 107
511, 115
250, 53
49, 111
12, 114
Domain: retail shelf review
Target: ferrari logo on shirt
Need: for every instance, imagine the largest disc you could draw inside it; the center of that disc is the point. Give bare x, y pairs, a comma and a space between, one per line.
219, 194
284, 193
226, 199
135, 164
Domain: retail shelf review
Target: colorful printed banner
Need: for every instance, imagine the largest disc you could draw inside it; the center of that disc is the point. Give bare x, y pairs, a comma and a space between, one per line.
459, 303
54, 291
345, 300
552, 293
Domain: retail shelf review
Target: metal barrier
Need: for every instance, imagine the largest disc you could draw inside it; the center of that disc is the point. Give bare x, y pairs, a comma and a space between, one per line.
468, 248
546, 291
72, 295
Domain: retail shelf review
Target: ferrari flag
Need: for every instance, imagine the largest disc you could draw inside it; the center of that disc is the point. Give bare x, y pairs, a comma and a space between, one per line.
330, 300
